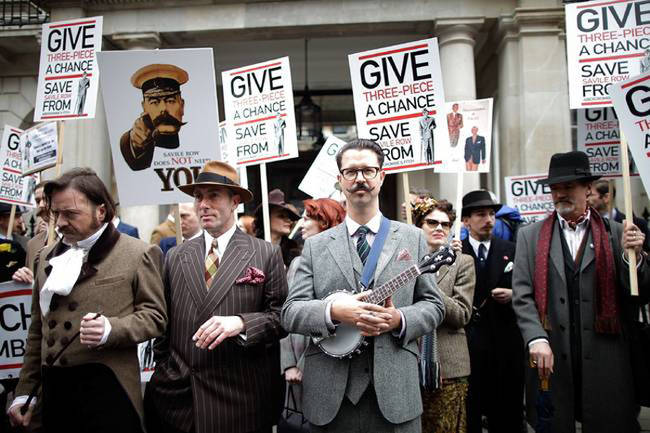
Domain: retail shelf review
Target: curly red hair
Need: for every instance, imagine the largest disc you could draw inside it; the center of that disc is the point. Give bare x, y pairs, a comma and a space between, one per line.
327, 212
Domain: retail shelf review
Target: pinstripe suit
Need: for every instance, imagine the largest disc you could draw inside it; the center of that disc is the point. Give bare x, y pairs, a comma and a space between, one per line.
237, 387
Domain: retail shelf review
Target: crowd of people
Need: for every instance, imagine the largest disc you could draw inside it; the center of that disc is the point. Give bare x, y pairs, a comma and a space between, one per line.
240, 324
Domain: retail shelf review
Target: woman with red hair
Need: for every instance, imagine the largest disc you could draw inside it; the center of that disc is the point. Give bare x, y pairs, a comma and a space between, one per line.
320, 215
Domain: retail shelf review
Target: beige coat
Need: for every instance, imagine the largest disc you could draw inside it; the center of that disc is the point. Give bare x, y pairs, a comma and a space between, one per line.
35, 245
456, 282
165, 229
122, 278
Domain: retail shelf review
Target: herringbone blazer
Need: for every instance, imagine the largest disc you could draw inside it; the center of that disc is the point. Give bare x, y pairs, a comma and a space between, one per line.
237, 387
327, 265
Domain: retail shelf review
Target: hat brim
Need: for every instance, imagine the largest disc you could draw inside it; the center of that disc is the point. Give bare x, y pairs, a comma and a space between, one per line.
245, 194
478, 205
569, 178
292, 215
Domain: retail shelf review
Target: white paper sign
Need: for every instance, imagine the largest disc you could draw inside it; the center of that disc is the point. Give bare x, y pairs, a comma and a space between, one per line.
398, 98
607, 42
39, 148
469, 125
631, 101
14, 188
599, 138
533, 201
15, 318
68, 76
321, 178
260, 118
161, 110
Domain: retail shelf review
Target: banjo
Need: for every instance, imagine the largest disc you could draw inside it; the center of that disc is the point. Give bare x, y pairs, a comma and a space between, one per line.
347, 340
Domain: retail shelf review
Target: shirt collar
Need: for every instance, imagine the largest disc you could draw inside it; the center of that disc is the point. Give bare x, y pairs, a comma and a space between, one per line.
199, 233
222, 241
88, 243
564, 225
373, 224
476, 244
116, 221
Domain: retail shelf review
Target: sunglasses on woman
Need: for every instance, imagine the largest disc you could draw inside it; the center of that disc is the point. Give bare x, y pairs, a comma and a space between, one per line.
435, 223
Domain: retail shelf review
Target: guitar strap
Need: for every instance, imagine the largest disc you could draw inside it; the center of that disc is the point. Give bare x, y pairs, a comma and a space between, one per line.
375, 251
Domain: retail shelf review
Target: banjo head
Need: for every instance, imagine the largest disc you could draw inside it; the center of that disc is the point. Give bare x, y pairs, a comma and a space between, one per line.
344, 343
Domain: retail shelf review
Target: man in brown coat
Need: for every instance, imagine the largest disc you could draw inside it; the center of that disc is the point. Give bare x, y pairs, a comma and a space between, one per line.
108, 287
218, 364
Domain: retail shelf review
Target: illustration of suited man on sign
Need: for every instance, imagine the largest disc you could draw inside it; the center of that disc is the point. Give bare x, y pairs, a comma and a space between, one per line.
427, 125
279, 124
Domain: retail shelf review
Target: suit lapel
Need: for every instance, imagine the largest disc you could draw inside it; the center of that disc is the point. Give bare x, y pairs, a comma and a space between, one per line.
557, 255
237, 255
388, 250
193, 265
340, 251
588, 255
442, 272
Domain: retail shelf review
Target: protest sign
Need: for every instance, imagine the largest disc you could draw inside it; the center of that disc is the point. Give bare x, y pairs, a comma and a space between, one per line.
321, 178
226, 153
260, 119
398, 98
15, 318
68, 74
470, 124
15, 189
39, 146
631, 101
533, 201
599, 138
607, 42
161, 111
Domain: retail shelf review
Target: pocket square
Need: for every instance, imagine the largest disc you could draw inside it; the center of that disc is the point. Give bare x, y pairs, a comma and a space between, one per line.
508, 268
404, 255
252, 275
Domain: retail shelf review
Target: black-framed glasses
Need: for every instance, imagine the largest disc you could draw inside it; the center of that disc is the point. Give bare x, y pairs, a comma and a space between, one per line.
435, 223
367, 172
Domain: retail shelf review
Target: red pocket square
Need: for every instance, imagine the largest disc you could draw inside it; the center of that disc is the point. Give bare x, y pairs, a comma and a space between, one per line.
252, 276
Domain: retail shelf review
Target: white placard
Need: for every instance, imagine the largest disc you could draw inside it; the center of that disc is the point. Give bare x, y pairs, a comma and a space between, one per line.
607, 42
533, 201
469, 125
68, 76
14, 188
39, 147
631, 101
321, 178
260, 118
225, 156
152, 161
398, 98
599, 137
15, 318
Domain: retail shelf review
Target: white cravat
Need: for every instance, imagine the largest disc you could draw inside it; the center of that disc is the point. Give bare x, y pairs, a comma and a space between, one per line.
66, 269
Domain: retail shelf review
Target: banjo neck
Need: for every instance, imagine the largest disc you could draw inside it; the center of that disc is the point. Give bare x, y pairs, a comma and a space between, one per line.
386, 290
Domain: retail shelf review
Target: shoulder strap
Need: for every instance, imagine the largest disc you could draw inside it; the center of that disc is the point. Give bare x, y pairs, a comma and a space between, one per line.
373, 256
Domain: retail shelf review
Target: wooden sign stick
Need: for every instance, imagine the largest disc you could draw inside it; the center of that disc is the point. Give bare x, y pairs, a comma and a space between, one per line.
627, 194
177, 221
407, 197
12, 217
459, 202
266, 215
51, 234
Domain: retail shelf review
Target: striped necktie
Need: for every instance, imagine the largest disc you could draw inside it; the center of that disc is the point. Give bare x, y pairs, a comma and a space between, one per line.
211, 264
363, 247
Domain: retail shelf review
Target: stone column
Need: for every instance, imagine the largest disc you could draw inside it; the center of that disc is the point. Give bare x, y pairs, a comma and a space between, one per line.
145, 218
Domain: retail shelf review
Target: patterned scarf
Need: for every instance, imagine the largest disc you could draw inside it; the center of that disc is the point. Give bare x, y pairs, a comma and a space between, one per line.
607, 308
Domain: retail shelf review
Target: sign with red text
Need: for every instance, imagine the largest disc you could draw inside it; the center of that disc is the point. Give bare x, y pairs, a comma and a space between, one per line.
39, 148
532, 200
599, 137
398, 102
260, 119
14, 188
321, 178
15, 318
607, 42
68, 76
631, 101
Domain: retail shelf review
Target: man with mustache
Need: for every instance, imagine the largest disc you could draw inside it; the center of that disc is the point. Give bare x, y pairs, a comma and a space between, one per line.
573, 304
496, 384
159, 124
377, 390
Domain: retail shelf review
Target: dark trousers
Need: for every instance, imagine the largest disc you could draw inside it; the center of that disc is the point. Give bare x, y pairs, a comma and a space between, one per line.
86, 399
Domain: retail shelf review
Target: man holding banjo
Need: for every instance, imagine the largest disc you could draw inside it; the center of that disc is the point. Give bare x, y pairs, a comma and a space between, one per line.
369, 383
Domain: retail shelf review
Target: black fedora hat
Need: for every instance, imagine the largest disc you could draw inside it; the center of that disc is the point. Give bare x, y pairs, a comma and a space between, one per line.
567, 167
478, 199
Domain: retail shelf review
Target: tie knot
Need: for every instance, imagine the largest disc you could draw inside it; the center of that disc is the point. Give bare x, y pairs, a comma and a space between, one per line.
215, 244
363, 230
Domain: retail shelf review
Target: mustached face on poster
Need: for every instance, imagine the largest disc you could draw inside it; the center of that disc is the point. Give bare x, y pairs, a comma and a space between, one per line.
14, 188
608, 42
161, 111
398, 99
68, 76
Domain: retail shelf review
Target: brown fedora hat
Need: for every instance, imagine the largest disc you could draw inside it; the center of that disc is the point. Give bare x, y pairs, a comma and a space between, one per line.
217, 173
276, 199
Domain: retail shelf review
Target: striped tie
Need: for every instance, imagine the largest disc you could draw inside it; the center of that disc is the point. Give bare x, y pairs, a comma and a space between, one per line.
211, 264
363, 247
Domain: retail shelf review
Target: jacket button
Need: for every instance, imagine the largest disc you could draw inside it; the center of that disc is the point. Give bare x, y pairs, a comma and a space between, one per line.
50, 342
63, 360
53, 305
49, 359
73, 306
562, 328
67, 326
51, 324
562, 300
64, 341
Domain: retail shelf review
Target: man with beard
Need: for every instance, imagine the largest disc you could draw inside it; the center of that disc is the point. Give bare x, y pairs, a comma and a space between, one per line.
496, 384
159, 124
378, 389
573, 304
